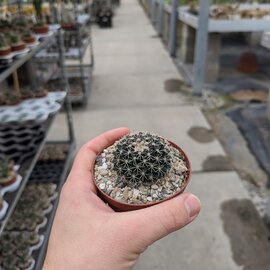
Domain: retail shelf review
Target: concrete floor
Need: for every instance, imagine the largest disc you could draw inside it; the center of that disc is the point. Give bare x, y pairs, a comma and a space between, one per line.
132, 66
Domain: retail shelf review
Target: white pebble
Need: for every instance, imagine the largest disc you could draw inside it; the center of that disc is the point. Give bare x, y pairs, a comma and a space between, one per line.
102, 186
136, 192
103, 160
104, 166
103, 172
149, 199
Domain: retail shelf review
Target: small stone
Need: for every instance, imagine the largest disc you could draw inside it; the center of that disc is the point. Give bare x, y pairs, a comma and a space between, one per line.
149, 199
103, 172
136, 192
110, 174
155, 196
125, 193
103, 155
154, 187
102, 186
103, 160
104, 166
142, 189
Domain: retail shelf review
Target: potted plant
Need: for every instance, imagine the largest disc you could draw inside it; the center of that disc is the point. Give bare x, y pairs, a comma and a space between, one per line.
17, 44
26, 93
12, 98
140, 170
20, 23
28, 37
67, 22
5, 49
7, 174
40, 27
40, 92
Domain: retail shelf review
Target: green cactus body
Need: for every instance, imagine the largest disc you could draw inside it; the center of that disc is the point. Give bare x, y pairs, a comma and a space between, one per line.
4, 168
141, 158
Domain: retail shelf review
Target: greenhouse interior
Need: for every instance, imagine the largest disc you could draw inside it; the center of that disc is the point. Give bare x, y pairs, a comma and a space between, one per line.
130, 128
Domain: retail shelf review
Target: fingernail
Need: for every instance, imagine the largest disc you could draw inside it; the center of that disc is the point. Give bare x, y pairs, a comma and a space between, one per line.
193, 206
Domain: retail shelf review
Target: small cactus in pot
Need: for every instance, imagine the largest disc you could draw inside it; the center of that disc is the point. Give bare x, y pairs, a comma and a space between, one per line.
7, 174
5, 49
16, 42
140, 170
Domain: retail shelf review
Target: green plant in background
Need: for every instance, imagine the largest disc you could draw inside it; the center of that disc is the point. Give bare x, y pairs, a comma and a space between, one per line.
15, 37
38, 8
3, 42
27, 33
141, 158
4, 167
20, 21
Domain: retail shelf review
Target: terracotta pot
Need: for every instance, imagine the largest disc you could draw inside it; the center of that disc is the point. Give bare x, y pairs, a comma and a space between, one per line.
68, 26
10, 180
5, 51
122, 207
29, 40
18, 47
13, 103
41, 94
248, 63
44, 29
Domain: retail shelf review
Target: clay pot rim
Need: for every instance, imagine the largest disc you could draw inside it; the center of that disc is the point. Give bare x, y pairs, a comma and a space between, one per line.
130, 207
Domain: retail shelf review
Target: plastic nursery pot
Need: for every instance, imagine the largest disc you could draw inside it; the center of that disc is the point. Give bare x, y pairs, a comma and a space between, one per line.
122, 206
29, 39
5, 51
18, 47
44, 29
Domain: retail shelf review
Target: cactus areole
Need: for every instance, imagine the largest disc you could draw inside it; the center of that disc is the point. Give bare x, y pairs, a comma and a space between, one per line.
141, 158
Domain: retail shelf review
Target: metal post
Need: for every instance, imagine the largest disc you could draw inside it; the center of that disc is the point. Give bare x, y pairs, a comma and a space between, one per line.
65, 85
173, 27
160, 18
152, 11
201, 48
149, 8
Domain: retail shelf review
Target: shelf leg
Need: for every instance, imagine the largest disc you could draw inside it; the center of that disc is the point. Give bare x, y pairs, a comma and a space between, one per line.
16, 82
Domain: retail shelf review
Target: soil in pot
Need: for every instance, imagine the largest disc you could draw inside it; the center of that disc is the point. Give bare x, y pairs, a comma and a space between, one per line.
140, 170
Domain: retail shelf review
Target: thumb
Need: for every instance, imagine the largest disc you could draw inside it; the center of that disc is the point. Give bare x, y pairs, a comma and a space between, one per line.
159, 220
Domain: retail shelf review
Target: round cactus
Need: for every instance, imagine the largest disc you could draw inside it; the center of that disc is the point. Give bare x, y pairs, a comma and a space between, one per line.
141, 158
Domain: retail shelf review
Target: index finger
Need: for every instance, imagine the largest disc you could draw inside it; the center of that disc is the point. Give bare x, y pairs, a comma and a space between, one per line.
82, 168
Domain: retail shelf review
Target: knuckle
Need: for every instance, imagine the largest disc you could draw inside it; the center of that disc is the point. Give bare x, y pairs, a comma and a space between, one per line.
174, 219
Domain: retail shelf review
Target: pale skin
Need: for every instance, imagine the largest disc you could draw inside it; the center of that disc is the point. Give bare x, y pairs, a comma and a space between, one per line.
87, 234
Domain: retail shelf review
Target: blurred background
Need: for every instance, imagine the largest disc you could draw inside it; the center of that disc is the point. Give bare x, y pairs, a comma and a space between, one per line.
195, 72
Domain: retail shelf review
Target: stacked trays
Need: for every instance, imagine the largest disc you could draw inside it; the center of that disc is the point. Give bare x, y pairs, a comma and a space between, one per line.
7, 189
20, 141
21, 237
50, 164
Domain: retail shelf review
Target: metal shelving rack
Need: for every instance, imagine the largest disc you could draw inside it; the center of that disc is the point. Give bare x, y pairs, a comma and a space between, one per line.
28, 166
196, 76
75, 64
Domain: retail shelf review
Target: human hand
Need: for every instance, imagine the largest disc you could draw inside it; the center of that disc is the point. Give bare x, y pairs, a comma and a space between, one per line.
88, 234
